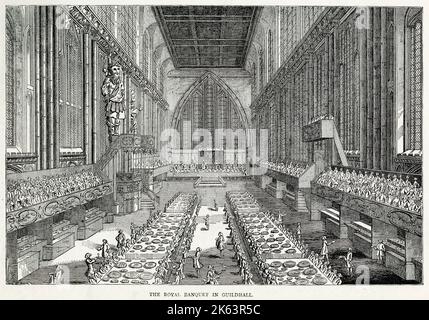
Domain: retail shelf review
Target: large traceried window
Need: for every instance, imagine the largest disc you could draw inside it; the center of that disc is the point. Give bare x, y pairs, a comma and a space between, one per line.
10, 80
127, 28
348, 46
70, 90
106, 14
415, 80
288, 30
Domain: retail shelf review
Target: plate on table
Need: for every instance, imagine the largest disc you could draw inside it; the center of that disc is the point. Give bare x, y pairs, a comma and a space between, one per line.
123, 270
114, 274
131, 275
125, 281
265, 246
271, 240
149, 265
264, 232
260, 240
161, 248
136, 265
165, 241
105, 279
151, 247
274, 245
294, 273
290, 251
320, 281
135, 281
137, 247
275, 231
114, 281
304, 264
277, 251
121, 264
280, 239
169, 234
156, 241
289, 264
146, 276
150, 232
276, 264
309, 272
286, 245
301, 282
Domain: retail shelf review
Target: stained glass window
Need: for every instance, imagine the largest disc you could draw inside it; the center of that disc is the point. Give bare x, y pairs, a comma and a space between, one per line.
10, 98
415, 85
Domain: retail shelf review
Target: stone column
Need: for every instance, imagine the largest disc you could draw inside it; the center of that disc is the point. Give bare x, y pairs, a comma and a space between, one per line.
376, 89
381, 231
37, 141
413, 249
52, 114
87, 97
362, 96
12, 257
43, 125
347, 216
383, 90
94, 102
370, 84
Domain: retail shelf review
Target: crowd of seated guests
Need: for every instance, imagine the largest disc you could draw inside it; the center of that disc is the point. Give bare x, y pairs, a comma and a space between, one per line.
27, 192
215, 168
150, 163
291, 168
388, 189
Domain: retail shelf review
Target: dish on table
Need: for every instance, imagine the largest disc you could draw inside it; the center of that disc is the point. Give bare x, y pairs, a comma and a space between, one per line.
149, 265
114, 274
131, 275
289, 264
136, 265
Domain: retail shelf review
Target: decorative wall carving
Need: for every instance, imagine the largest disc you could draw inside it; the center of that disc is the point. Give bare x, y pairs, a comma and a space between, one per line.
403, 219
20, 218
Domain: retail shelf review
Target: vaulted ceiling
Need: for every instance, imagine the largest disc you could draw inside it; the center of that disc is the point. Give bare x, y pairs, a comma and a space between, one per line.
207, 36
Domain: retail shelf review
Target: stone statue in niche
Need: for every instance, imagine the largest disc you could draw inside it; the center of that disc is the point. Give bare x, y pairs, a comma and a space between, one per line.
134, 110
113, 92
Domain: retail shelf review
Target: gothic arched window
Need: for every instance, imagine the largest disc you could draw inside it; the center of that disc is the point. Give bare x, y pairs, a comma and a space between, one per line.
413, 111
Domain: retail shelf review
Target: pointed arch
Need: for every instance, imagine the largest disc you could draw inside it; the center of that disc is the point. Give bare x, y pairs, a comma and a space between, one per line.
195, 87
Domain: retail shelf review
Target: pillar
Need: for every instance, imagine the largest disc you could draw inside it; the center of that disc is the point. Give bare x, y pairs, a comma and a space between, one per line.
376, 89
362, 96
370, 85
87, 97
413, 250
347, 216
12, 257
383, 89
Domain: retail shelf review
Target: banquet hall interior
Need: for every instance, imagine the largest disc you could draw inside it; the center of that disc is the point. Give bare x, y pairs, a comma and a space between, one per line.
201, 145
